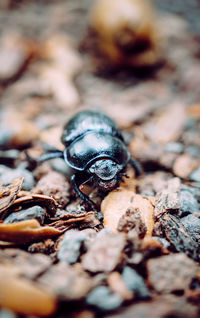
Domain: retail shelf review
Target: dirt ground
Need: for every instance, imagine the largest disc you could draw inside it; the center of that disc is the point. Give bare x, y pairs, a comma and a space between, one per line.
137, 253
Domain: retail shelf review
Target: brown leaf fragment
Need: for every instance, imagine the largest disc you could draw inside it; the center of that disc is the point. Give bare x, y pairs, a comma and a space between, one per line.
171, 273
117, 202
169, 198
73, 220
25, 232
178, 236
8, 195
36, 199
23, 296
105, 253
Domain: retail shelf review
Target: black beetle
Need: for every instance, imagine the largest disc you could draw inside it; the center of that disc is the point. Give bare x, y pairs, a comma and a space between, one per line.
95, 149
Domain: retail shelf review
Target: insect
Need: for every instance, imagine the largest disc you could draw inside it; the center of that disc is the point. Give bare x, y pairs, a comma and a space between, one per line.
96, 151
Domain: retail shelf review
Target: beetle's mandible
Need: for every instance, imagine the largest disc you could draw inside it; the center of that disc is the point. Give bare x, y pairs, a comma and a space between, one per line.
95, 149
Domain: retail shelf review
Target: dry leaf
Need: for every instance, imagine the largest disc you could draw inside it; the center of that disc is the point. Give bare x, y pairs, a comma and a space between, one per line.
23, 296
117, 202
36, 199
26, 232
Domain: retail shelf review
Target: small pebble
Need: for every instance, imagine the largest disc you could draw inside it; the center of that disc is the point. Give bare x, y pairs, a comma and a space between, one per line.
195, 175
102, 298
135, 282
70, 246
192, 225
35, 212
7, 175
193, 151
176, 147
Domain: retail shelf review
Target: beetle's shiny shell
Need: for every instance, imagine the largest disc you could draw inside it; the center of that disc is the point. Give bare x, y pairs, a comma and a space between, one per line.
86, 121
88, 148
91, 135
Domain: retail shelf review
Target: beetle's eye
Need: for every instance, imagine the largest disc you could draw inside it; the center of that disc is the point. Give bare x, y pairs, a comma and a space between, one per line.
105, 169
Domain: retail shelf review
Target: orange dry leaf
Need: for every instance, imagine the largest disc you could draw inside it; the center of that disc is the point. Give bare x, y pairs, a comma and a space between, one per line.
23, 296
26, 232
117, 202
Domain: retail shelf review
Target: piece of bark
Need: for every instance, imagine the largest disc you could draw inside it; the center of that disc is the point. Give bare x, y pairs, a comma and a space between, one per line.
132, 220
178, 236
168, 200
8, 195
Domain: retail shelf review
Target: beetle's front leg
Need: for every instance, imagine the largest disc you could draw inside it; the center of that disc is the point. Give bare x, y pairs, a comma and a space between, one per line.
136, 166
33, 163
51, 155
76, 180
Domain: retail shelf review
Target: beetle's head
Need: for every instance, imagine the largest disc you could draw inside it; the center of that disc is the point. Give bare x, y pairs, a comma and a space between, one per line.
106, 171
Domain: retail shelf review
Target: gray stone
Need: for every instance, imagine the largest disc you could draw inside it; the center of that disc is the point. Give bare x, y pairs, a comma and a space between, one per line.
7, 175
192, 225
189, 202
70, 246
135, 282
195, 175
35, 212
175, 147
102, 298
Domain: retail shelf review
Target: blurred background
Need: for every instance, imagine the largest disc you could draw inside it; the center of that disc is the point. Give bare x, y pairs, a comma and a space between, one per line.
137, 61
